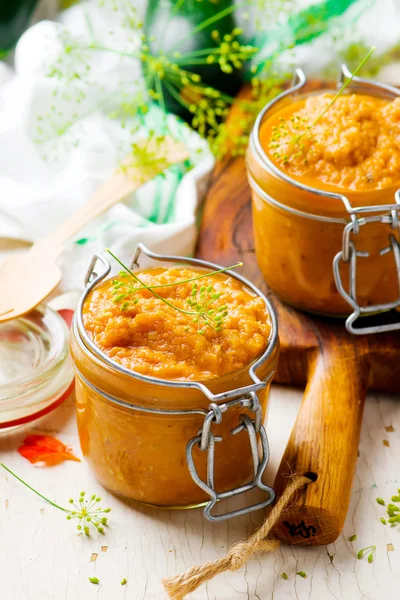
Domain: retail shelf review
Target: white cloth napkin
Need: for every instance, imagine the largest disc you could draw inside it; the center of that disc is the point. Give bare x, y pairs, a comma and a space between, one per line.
46, 175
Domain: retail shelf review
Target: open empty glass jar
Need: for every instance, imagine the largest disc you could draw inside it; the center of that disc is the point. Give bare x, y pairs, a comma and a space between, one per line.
322, 247
35, 367
170, 443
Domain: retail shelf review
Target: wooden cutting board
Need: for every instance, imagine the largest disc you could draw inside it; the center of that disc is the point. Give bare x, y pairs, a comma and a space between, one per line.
336, 369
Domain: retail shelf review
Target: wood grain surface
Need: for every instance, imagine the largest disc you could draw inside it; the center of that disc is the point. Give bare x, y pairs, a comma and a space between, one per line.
336, 368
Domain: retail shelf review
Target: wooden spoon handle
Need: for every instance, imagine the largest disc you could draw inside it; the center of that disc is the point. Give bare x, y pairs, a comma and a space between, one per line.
105, 196
123, 182
324, 443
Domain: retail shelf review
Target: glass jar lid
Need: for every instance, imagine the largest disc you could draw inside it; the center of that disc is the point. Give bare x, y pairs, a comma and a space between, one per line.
35, 367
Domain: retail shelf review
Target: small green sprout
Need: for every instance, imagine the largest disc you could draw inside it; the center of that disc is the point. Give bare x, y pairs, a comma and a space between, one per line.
86, 511
166, 73
392, 509
394, 520
124, 581
202, 301
302, 574
295, 143
94, 580
353, 538
285, 576
368, 549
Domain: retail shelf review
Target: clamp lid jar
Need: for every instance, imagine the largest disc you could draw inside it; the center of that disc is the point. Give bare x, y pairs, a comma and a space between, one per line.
171, 442
330, 246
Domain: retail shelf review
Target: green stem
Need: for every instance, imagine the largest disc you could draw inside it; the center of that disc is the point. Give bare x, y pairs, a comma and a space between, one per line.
112, 51
148, 79
177, 6
162, 285
188, 60
90, 504
191, 61
336, 96
89, 26
219, 15
223, 270
200, 86
175, 94
185, 312
33, 490
208, 51
200, 52
160, 92
174, 78
180, 74
208, 321
228, 99
200, 314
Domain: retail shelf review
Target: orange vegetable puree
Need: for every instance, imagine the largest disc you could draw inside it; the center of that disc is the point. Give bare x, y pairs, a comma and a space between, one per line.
154, 339
141, 454
355, 145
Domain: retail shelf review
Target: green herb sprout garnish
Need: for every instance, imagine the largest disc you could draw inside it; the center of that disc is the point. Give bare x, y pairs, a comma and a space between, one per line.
338, 93
201, 302
353, 538
94, 580
368, 549
178, 70
167, 72
285, 576
124, 581
146, 158
353, 53
394, 513
295, 143
302, 574
392, 509
87, 512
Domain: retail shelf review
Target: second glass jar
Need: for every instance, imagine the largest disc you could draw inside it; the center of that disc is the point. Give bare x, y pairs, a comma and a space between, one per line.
299, 230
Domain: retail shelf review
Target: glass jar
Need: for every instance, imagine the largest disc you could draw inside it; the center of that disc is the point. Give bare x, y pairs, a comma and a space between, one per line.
35, 367
154, 440
319, 250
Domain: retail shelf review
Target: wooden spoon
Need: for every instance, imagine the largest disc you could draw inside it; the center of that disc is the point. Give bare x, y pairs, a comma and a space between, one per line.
27, 279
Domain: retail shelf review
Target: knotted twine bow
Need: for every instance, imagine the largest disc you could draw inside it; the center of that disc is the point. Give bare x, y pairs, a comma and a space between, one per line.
181, 585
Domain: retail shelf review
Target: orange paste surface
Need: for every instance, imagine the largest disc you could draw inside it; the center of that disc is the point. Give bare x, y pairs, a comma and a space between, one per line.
355, 145
154, 339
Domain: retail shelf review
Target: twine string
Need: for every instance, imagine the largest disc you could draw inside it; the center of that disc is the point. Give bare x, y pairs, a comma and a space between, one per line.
181, 585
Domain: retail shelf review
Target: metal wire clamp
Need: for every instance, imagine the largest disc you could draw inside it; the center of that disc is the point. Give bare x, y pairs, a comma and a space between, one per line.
389, 215
206, 441
220, 403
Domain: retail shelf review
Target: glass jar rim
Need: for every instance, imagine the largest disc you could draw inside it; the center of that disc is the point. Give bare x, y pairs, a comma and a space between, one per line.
52, 328
84, 339
38, 371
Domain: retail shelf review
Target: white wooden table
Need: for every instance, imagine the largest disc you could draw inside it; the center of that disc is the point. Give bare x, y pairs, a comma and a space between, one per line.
43, 558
